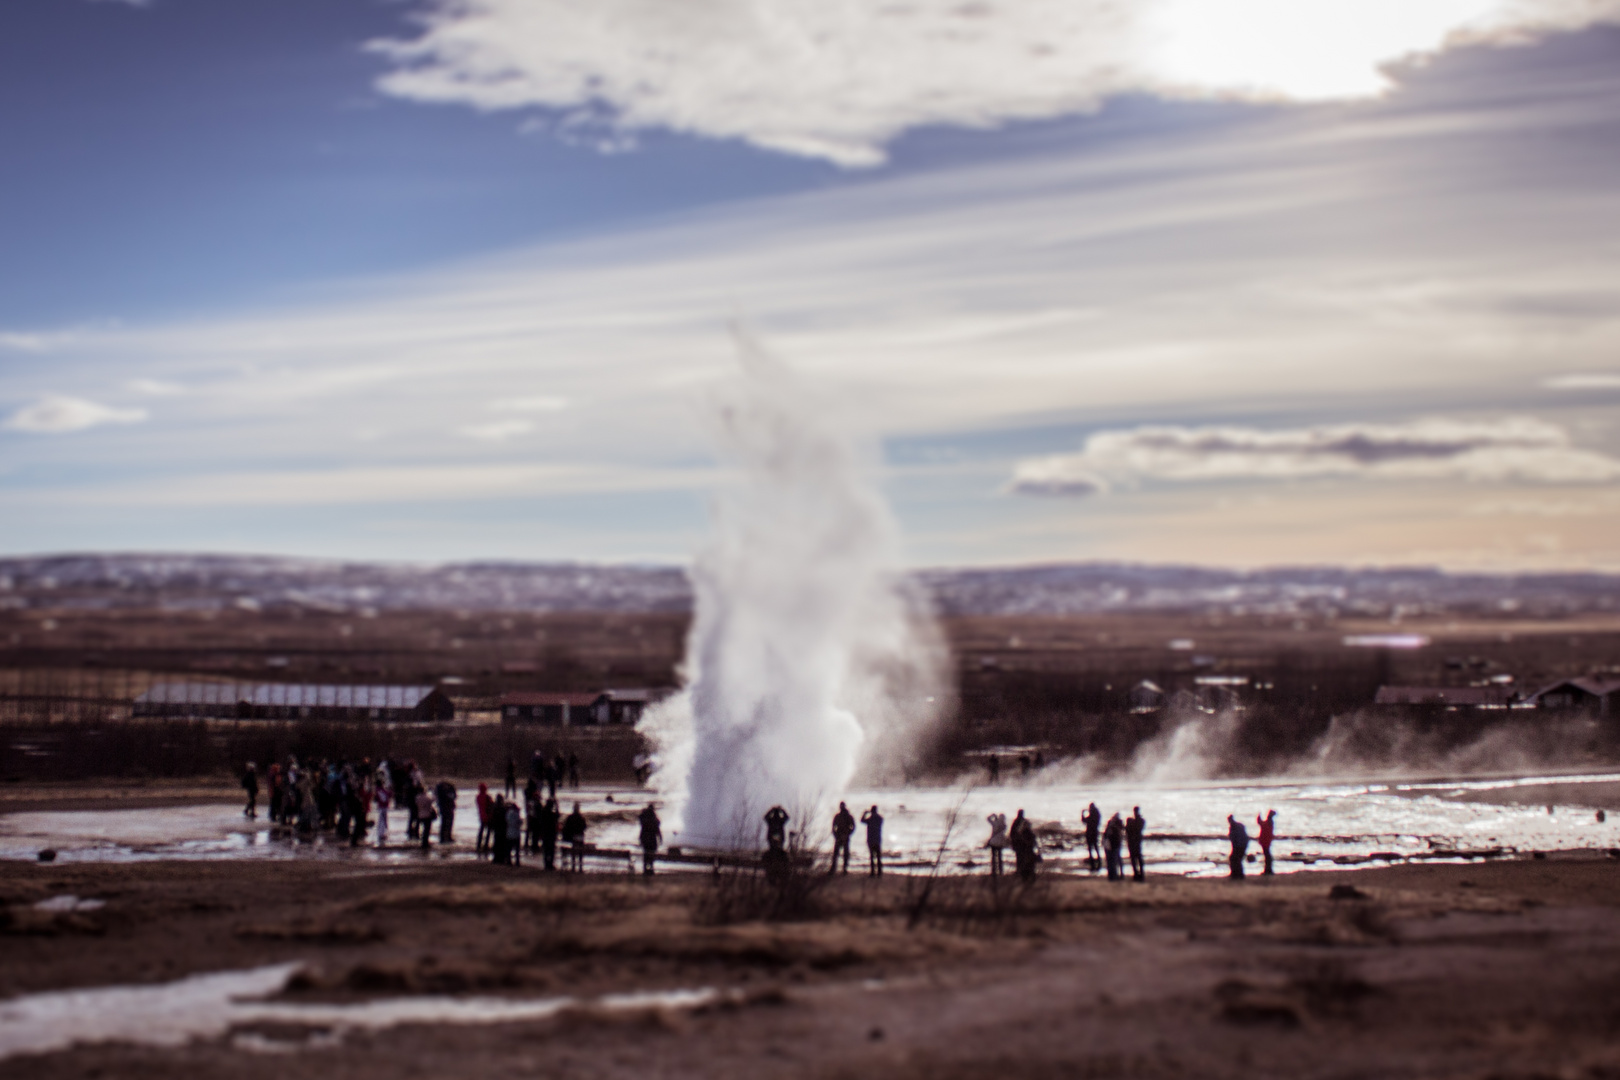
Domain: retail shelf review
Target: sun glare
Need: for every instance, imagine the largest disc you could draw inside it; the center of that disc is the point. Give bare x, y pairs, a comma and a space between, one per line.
1302, 50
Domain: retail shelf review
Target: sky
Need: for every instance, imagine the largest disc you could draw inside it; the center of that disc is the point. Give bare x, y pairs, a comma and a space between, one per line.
1227, 282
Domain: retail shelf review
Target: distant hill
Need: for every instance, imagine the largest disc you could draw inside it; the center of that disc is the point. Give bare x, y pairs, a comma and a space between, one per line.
188, 582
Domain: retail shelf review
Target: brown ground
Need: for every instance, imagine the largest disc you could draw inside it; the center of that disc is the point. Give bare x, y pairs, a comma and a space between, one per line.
1507, 969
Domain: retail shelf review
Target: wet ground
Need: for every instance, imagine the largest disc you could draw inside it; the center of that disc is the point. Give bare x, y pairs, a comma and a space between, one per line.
254, 968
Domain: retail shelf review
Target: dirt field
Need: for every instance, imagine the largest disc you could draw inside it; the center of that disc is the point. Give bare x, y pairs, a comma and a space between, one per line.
1506, 969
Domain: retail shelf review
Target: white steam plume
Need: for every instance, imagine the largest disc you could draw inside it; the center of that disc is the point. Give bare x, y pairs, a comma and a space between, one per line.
805, 663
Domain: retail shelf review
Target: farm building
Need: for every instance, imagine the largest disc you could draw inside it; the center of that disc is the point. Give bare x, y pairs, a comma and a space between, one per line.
293, 701
577, 709
1592, 695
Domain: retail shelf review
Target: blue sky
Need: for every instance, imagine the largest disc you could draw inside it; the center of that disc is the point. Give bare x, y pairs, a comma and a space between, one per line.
1236, 282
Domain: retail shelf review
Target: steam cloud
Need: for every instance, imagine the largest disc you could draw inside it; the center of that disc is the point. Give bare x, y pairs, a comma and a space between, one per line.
838, 79
1517, 449
805, 662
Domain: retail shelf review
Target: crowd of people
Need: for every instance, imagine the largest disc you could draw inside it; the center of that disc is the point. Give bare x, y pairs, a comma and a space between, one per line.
353, 798
341, 797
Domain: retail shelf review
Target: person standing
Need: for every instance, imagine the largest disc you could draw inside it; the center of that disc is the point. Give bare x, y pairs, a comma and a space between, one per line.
550, 820
1092, 818
843, 828
1021, 837
511, 778
531, 815
358, 792
514, 833
497, 831
250, 784
997, 843
1240, 844
383, 797
1135, 826
652, 835
573, 834
273, 777
1113, 836
483, 802
573, 770
424, 814
1268, 833
446, 793
874, 841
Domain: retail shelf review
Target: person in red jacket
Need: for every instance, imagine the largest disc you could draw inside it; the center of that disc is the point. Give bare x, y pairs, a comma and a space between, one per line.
1268, 832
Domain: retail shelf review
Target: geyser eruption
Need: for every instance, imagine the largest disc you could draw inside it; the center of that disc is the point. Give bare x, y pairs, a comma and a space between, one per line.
805, 662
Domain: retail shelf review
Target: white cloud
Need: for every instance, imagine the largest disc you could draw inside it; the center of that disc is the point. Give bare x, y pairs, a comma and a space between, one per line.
1595, 380
55, 414
1522, 449
21, 342
155, 387
839, 79
496, 431
541, 404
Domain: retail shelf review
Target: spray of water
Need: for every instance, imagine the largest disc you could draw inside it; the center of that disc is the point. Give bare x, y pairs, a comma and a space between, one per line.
806, 663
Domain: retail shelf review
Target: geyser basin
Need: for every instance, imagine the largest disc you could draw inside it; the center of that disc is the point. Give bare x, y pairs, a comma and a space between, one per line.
1186, 824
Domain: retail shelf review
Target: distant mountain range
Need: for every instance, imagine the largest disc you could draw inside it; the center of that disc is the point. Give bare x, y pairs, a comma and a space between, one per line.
185, 582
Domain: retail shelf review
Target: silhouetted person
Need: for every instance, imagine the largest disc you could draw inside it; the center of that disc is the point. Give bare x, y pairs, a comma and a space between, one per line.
573, 834
537, 767
445, 793
997, 843
424, 817
510, 790
483, 802
559, 767
1268, 833
994, 765
1021, 837
573, 770
843, 828
1240, 844
652, 835
500, 852
250, 784
531, 815
514, 833
1092, 817
776, 820
550, 822
1135, 825
1113, 838
874, 841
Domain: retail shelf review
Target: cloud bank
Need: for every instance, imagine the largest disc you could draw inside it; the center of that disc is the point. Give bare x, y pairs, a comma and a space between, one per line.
1518, 449
839, 79
56, 415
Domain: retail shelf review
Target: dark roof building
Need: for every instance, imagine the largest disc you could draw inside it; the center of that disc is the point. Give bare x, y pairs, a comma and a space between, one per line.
289, 701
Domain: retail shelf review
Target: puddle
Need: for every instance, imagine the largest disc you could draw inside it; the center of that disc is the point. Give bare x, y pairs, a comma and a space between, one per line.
210, 1006
66, 903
